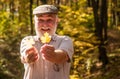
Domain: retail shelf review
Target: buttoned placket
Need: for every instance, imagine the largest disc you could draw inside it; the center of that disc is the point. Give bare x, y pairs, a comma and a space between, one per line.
39, 44
45, 62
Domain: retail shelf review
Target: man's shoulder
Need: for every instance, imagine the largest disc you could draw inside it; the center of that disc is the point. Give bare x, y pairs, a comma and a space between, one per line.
29, 37
62, 36
65, 37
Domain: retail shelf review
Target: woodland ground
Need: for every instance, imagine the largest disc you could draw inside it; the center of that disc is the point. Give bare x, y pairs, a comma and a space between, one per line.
112, 70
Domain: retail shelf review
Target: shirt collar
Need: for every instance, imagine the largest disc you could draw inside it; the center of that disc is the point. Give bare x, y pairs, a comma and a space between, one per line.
53, 38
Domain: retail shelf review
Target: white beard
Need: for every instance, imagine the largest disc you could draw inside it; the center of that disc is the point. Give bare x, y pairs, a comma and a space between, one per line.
39, 34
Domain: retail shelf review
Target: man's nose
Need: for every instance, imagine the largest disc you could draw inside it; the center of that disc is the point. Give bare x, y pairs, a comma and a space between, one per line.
45, 23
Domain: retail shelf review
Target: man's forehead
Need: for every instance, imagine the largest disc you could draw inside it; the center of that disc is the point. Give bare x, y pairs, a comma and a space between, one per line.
46, 15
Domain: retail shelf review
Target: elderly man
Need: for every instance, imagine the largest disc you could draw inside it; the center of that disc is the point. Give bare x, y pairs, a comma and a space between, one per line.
50, 60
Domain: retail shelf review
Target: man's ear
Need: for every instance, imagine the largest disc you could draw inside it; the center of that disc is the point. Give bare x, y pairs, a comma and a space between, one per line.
34, 19
57, 20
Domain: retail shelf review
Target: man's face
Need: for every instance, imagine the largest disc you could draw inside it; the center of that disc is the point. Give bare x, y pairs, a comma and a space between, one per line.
45, 23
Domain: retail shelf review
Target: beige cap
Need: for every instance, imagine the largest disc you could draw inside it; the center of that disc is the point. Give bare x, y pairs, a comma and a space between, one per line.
45, 9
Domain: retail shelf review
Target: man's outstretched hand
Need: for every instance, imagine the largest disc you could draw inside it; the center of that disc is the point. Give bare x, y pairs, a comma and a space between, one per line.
31, 55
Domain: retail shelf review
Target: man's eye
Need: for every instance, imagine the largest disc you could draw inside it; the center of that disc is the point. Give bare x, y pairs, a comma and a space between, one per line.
50, 20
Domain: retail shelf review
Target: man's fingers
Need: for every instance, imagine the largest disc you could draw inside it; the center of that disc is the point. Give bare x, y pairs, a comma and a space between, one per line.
29, 50
31, 55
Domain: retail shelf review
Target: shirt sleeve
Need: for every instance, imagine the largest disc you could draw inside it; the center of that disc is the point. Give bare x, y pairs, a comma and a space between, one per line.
67, 45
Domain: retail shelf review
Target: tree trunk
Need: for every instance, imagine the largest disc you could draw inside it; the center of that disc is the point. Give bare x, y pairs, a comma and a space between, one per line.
118, 12
114, 13
89, 3
103, 54
57, 2
37, 2
43, 1
12, 9
31, 21
95, 6
100, 16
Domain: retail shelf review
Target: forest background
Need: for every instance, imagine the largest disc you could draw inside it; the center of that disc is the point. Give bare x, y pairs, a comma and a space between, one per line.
93, 25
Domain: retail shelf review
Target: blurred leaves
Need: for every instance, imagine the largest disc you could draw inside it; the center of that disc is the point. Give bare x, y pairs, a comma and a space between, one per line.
78, 24
76, 21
